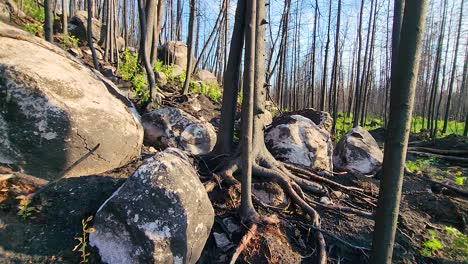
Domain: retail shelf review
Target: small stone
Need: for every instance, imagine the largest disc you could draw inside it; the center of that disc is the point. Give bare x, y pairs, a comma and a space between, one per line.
339, 195
152, 150
161, 79
222, 241
230, 225
325, 200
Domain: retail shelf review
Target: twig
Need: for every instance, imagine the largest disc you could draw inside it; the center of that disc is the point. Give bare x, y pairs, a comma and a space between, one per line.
244, 242
60, 176
328, 233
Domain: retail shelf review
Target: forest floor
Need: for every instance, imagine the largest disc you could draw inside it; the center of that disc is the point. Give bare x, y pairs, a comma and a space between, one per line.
428, 213
432, 226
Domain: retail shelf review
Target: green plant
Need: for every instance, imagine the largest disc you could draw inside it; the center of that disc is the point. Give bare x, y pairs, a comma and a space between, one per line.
34, 28
412, 166
459, 243
25, 210
130, 70
128, 66
212, 90
140, 87
431, 245
83, 239
459, 181
69, 41
168, 70
34, 9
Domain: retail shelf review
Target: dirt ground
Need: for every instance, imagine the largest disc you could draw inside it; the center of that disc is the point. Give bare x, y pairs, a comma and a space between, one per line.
49, 235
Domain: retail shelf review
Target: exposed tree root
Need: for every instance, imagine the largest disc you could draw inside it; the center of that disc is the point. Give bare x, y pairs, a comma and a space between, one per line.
265, 166
294, 181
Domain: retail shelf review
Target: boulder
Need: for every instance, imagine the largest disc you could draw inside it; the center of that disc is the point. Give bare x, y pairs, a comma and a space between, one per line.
99, 53
161, 79
172, 127
161, 214
320, 118
54, 111
358, 152
297, 140
4, 12
76, 52
78, 26
120, 43
174, 52
8, 9
177, 71
206, 76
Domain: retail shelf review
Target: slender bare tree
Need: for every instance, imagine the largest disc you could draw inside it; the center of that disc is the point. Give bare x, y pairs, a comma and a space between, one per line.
396, 140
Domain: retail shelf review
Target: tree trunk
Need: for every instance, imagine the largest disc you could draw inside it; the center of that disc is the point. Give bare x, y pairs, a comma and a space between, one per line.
231, 84
190, 47
314, 45
144, 29
49, 21
179, 20
334, 85
64, 17
90, 34
210, 37
401, 106
358, 69
324, 81
247, 209
454, 67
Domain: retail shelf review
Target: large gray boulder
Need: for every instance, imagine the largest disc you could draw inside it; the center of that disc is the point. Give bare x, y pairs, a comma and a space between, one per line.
297, 140
174, 52
321, 118
78, 26
4, 11
161, 214
54, 111
172, 127
358, 152
9, 9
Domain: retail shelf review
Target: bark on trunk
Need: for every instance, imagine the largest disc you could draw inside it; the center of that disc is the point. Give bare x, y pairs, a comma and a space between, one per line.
401, 106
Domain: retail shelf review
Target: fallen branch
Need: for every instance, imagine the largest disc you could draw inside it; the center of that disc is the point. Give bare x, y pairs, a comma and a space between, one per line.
439, 151
443, 157
452, 188
328, 233
244, 242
